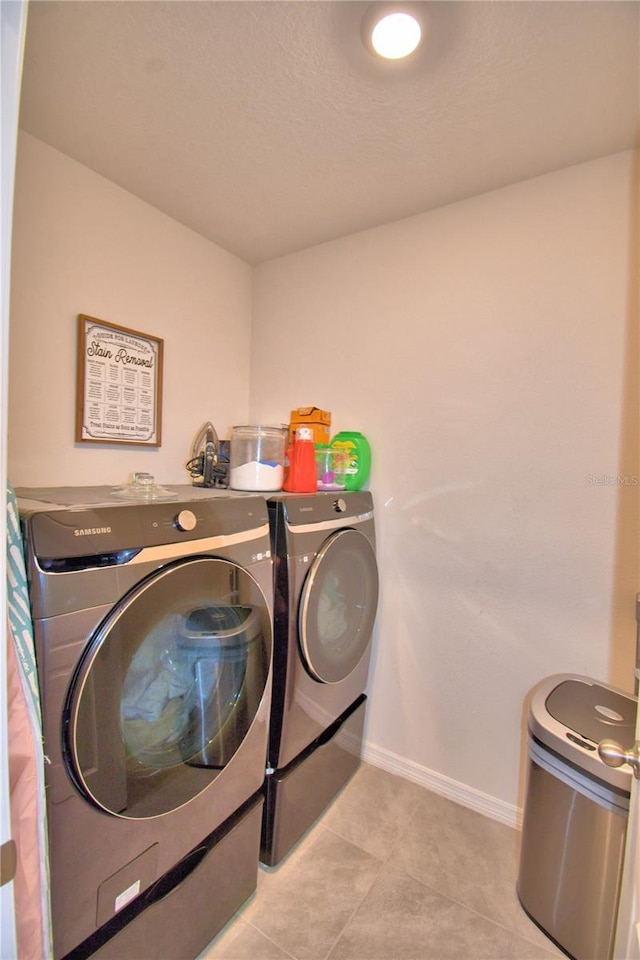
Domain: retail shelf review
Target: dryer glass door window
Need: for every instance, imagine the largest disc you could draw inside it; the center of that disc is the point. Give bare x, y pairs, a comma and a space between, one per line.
168, 688
338, 606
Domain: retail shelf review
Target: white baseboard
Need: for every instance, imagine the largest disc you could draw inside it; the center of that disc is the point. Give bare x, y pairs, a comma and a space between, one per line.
483, 803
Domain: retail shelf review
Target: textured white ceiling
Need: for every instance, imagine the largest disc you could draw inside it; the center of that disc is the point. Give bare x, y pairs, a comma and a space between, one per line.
267, 127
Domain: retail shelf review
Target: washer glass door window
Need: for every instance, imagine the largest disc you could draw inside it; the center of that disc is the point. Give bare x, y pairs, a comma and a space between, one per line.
338, 606
168, 688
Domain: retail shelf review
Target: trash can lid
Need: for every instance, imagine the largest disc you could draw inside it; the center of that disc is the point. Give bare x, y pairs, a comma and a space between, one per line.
571, 714
594, 711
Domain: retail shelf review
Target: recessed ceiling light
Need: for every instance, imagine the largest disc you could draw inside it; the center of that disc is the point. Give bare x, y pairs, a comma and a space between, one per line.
395, 35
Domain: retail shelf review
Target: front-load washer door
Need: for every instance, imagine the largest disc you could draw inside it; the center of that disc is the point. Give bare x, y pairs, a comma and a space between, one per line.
338, 606
168, 688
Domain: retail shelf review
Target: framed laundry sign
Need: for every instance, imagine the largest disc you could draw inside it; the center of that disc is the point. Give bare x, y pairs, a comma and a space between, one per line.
119, 387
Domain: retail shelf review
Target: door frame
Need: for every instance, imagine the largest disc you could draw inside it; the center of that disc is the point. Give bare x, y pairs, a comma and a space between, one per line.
627, 942
13, 28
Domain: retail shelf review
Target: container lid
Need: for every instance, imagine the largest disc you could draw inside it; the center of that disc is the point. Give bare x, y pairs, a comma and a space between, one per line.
259, 429
571, 714
143, 487
594, 711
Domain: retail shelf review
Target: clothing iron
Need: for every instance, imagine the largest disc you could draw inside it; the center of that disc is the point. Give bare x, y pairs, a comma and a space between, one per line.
206, 466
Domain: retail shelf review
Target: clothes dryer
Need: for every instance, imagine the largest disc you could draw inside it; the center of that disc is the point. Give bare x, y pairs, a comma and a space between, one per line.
153, 637
326, 595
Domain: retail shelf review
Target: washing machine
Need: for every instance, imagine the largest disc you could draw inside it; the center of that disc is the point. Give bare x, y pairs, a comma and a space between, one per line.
325, 600
153, 633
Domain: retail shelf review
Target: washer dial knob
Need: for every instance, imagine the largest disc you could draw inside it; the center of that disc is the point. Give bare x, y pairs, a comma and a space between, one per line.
339, 505
186, 520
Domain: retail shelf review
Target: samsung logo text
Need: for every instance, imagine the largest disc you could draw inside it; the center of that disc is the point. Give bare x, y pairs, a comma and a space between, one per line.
90, 531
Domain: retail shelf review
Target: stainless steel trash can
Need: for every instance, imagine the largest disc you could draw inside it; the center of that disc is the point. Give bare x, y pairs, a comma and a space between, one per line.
575, 813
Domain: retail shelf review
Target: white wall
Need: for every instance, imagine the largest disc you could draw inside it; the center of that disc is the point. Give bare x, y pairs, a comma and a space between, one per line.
83, 245
485, 350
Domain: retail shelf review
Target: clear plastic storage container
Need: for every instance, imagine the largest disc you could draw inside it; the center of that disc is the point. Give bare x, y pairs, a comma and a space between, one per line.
257, 458
330, 468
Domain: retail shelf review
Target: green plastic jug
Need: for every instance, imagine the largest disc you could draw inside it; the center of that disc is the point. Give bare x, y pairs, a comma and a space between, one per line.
355, 448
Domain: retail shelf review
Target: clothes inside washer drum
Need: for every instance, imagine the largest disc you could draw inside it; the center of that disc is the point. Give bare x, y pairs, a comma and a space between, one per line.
332, 610
186, 664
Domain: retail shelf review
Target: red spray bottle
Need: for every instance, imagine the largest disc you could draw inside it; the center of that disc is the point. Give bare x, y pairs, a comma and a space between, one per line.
300, 477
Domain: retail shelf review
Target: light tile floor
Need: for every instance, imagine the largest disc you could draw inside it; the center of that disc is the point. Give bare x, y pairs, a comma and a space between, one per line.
391, 871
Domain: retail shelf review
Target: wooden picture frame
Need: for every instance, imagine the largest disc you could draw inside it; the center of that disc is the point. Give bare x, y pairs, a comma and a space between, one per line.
119, 384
